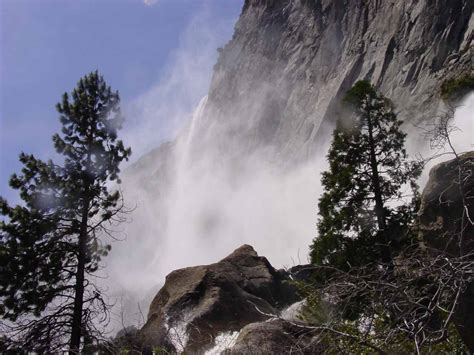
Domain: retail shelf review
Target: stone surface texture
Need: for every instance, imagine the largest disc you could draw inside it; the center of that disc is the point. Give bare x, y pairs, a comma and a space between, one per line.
199, 303
444, 226
278, 83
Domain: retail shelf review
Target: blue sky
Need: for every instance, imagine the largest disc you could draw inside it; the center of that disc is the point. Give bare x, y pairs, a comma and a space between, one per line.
151, 51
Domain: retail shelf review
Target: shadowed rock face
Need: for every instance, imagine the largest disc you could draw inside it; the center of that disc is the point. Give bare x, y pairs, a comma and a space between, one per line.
441, 209
441, 222
205, 301
274, 337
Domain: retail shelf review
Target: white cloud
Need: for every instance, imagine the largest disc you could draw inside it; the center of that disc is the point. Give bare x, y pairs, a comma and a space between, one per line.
150, 2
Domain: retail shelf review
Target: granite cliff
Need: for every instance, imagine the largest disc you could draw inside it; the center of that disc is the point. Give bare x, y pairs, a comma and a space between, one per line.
279, 81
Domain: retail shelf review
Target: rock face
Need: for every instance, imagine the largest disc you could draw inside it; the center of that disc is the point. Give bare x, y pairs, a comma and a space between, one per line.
197, 304
442, 206
445, 220
281, 77
274, 337
277, 84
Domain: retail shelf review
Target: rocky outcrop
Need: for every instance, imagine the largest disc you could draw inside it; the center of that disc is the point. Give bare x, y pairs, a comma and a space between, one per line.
275, 337
281, 77
445, 213
199, 303
446, 223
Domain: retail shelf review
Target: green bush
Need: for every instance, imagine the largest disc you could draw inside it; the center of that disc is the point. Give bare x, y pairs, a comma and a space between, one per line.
457, 88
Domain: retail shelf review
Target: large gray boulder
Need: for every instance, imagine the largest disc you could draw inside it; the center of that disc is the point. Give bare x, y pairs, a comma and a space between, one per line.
444, 227
441, 210
275, 337
199, 303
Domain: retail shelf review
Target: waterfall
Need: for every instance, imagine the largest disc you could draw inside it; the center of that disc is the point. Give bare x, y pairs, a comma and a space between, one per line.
186, 149
177, 232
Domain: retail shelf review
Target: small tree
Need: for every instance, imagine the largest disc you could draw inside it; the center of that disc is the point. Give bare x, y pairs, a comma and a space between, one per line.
362, 211
50, 247
423, 304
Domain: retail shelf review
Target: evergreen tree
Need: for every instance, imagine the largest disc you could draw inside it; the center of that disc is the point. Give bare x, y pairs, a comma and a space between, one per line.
50, 246
363, 211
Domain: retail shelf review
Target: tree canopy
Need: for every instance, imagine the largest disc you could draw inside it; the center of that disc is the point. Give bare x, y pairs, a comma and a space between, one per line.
51, 245
376, 287
364, 210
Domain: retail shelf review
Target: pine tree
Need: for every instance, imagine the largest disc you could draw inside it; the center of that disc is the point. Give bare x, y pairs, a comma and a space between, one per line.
51, 246
363, 211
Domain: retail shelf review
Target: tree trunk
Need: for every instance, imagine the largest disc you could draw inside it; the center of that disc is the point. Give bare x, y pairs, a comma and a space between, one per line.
379, 207
76, 330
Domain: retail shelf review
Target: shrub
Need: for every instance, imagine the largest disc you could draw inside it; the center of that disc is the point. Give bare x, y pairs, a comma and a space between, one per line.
457, 88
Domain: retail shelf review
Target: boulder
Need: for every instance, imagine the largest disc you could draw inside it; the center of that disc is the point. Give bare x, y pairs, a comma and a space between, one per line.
199, 303
302, 272
445, 222
441, 212
275, 336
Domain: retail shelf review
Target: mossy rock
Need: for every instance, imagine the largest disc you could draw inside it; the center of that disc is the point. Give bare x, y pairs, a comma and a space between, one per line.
457, 88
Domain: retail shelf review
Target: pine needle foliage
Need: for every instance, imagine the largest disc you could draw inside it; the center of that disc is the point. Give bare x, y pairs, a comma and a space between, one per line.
364, 210
52, 244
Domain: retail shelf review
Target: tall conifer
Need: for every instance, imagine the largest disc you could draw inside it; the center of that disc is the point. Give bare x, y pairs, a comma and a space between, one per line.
364, 211
52, 244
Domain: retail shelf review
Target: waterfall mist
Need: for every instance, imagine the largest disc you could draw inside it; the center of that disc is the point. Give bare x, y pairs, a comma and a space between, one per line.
207, 208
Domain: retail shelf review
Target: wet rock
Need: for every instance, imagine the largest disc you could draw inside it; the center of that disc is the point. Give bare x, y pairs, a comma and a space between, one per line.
445, 224
275, 337
441, 212
302, 272
196, 304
